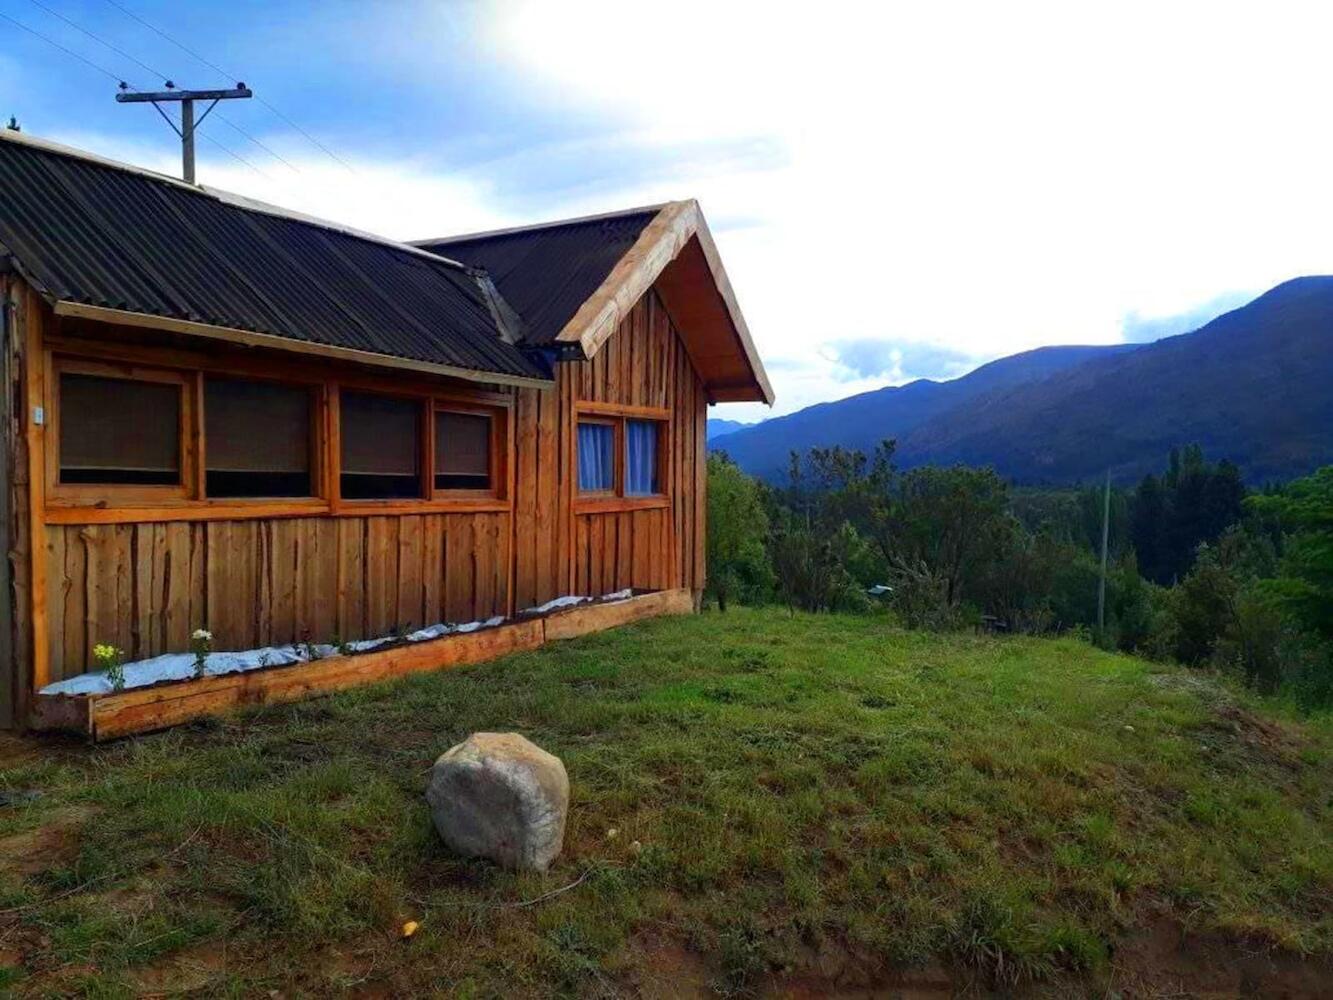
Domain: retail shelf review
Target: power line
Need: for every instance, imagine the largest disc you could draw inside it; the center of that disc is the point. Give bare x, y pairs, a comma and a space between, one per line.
69, 52
117, 78
161, 76
217, 69
101, 41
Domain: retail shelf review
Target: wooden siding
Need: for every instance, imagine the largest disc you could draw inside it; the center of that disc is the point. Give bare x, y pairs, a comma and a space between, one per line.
145, 587
145, 584
560, 550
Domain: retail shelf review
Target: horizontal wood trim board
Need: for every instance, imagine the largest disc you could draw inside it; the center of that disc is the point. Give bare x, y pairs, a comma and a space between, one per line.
252, 339
125, 713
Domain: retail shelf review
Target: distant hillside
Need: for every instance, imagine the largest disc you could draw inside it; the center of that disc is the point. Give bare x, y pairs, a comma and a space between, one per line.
1253, 386
864, 420
718, 428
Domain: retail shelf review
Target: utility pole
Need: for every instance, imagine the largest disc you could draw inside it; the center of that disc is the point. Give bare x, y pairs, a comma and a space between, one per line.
186, 99
1101, 583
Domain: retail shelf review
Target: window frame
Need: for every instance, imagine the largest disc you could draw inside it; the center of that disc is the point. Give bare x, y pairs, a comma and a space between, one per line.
424, 472
318, 460
616, 499
499, 436
188, 501
103, 493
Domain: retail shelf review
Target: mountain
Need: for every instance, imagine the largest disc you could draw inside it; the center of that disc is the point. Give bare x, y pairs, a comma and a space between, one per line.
864, 420
1253, 386
718, 428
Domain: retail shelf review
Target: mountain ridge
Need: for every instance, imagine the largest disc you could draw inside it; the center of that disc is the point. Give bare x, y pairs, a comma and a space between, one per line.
1250, 385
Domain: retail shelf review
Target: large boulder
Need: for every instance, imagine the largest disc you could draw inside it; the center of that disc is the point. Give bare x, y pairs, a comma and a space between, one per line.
500, 796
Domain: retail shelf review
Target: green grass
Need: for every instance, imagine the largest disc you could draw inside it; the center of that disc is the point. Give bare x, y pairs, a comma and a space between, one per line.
782, 790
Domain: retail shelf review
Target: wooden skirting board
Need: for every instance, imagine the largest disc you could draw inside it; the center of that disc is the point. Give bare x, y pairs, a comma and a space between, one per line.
125, 713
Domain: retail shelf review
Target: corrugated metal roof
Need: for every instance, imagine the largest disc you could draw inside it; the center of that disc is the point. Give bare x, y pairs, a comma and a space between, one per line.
86, 231
547, 272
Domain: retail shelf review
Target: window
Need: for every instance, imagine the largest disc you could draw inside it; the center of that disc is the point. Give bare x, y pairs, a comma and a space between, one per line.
462, 451
620, 457
257, 439
381, 447
236, 441
119, 431
596, 455
641, 458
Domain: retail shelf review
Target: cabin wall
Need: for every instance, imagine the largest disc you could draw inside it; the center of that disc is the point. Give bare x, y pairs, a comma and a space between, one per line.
144, 587
146, 582
561, 548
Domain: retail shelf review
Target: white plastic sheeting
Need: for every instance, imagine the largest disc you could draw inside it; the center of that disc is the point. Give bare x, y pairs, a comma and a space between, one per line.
180, 666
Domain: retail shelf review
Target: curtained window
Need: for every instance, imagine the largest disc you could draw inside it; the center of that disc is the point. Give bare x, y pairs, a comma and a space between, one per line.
381, 447
596, 454
641, 458
257, 439
118, 431
462, 451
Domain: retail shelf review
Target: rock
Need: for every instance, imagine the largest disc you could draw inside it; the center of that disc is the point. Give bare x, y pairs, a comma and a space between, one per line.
500, 796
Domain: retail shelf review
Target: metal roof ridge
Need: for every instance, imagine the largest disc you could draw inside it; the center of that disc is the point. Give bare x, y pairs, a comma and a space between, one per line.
224, 196
249, 204
61, 149
551, 224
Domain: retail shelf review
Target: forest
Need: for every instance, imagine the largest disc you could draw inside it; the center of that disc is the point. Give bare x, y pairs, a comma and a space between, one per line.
1199, 568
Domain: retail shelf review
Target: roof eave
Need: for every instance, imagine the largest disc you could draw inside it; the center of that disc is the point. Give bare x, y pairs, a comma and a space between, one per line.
251, 338
660, 243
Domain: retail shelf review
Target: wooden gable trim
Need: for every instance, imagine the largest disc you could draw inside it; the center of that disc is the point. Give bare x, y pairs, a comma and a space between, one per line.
249, 338
676, 226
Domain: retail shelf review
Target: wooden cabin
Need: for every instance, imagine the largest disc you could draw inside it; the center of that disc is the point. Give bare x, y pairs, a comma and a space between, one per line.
229, 416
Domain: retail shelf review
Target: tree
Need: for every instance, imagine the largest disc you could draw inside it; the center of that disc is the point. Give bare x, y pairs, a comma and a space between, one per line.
1304, 586
950, 520
737, 528
1192, 504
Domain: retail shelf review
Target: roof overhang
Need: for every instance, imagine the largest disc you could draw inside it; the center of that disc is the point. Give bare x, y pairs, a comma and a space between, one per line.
676, 253
250, 338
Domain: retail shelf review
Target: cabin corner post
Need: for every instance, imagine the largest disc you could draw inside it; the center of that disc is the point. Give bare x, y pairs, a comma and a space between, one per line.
28, 660
10, 620
34, 398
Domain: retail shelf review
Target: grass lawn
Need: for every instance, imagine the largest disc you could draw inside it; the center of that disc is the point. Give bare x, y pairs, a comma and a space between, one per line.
761, 803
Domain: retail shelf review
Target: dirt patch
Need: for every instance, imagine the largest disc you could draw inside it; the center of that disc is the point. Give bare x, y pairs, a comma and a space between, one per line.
667, 969
191, 970
53, 843
1262, 738
1163, 960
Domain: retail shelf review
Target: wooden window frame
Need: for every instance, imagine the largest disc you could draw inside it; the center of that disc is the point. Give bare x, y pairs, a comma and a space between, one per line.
499, 438
615, 499
121, 493
318, 458
130, 503
424, 484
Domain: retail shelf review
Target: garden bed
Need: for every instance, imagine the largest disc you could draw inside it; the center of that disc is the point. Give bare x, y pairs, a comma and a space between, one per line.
160, 698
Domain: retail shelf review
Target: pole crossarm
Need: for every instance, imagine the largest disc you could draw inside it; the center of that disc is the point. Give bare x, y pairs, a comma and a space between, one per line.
136, 97
186, 99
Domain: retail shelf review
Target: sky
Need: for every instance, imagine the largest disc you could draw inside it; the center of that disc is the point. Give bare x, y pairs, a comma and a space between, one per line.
897, 190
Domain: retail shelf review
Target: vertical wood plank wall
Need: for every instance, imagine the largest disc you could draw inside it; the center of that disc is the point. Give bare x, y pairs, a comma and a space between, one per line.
145, 587
559, 551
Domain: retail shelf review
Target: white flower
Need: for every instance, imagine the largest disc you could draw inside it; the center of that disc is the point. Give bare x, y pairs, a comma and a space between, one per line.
202, 635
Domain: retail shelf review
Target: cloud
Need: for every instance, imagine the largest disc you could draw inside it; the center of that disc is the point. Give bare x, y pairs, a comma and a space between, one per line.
1140, 329
987, 177
898, 361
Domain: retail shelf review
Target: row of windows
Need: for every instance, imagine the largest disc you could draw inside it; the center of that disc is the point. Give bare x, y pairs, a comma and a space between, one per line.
260, 439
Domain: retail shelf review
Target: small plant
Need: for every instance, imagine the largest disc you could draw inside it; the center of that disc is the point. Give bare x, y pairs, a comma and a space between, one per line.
112, 661
201, 644
311, 651
343, 647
